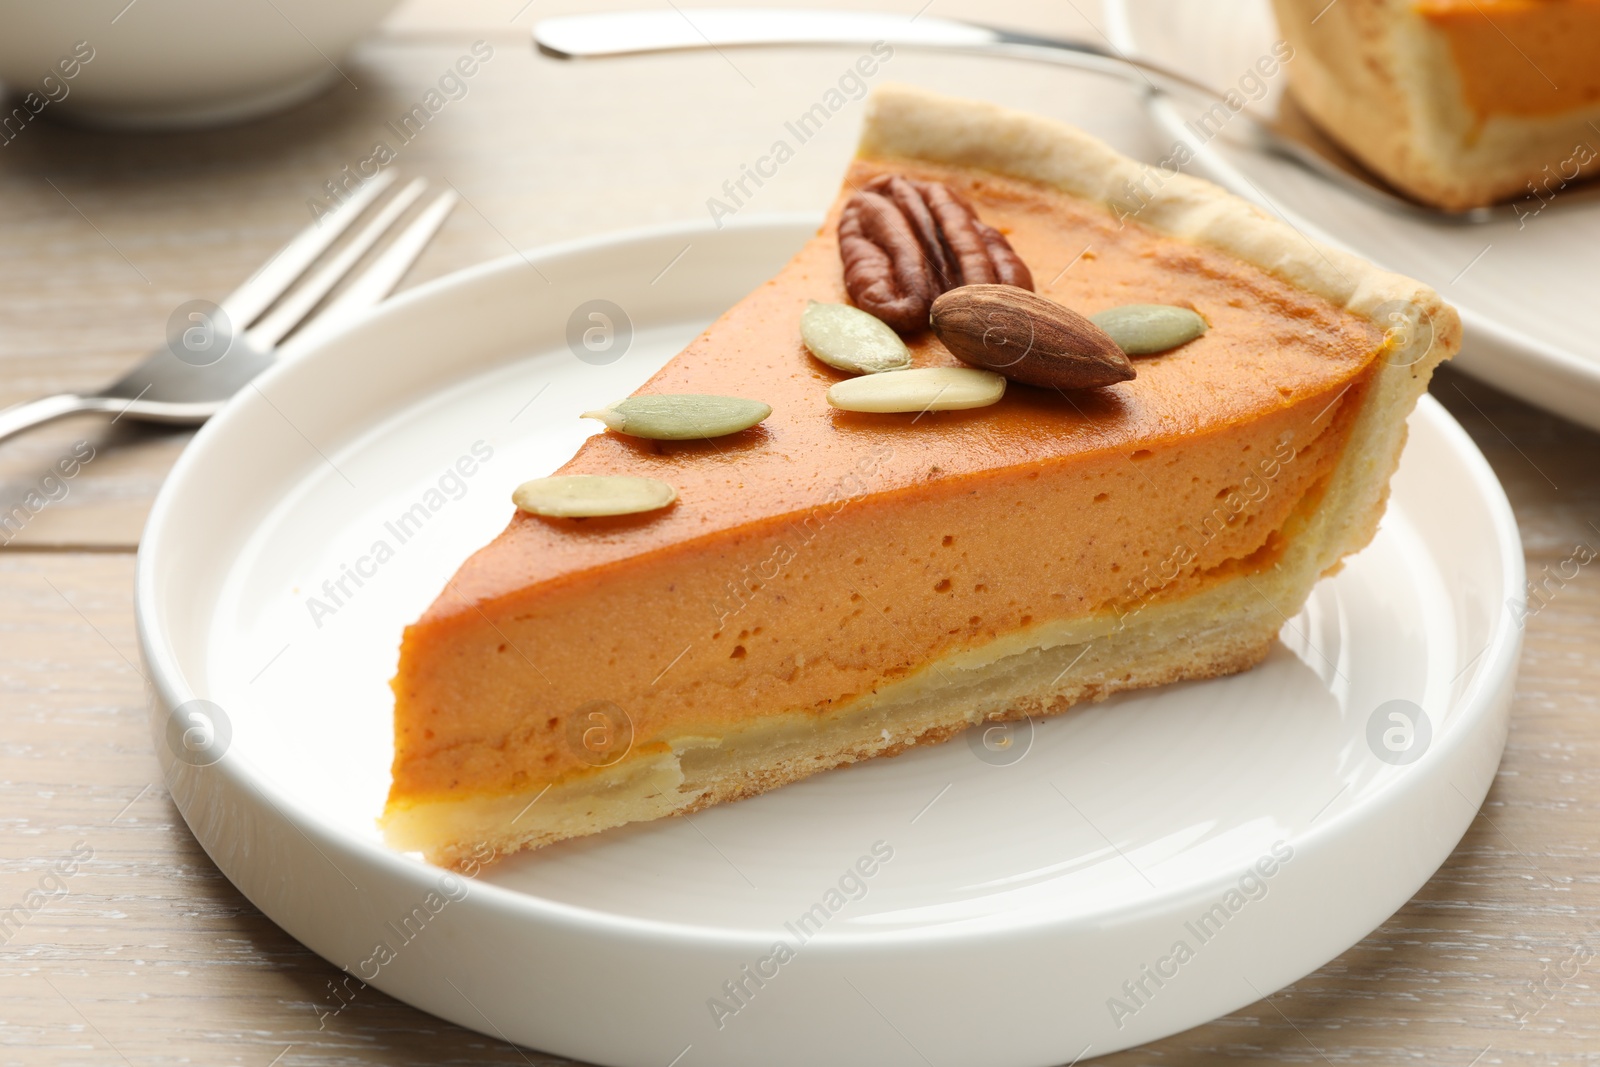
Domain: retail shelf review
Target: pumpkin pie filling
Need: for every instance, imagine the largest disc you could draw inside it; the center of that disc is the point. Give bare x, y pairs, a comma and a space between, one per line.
829, 570
1521, 57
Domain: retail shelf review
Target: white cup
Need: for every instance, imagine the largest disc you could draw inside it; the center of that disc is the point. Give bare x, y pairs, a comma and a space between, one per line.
162, 64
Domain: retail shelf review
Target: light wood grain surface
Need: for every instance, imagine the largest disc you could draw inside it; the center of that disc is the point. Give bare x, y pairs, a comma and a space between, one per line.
151, 957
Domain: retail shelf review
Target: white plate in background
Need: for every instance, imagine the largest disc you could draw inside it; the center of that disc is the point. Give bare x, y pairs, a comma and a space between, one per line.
1022, 892
1525, 287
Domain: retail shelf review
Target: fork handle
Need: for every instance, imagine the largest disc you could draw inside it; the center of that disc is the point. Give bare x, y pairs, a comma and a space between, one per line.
27, 415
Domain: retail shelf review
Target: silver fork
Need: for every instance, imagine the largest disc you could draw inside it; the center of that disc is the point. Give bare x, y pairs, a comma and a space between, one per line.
189, 379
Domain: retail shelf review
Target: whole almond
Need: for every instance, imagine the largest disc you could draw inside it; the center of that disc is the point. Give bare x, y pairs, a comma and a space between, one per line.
1027, 338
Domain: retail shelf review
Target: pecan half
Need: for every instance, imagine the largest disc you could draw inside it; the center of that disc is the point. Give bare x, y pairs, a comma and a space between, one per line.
904, 242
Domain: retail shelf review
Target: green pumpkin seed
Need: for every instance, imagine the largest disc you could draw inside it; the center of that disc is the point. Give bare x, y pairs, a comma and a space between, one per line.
577, 496
1146, 329
681, 416
850, 339
923, 389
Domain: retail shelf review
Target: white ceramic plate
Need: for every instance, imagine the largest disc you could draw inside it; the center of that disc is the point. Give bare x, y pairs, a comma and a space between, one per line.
1524, 286
1026, 883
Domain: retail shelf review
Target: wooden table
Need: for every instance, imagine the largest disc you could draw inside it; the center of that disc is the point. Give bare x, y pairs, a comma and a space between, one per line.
152, 957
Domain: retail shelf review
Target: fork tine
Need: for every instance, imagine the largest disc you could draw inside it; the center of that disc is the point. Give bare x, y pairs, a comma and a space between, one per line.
297, 305
247, 302
385, 272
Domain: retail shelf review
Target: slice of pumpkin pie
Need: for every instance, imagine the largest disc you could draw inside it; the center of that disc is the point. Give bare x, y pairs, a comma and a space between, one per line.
1458, 103
889, 558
